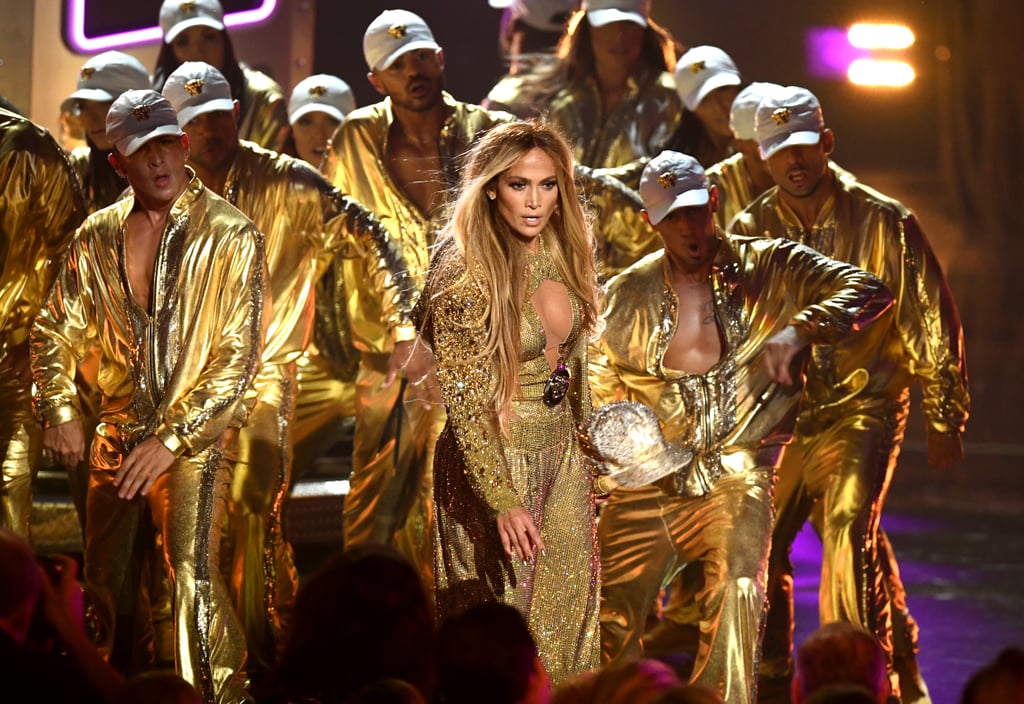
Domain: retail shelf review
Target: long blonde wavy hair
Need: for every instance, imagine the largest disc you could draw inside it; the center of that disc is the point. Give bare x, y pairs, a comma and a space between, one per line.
489, 256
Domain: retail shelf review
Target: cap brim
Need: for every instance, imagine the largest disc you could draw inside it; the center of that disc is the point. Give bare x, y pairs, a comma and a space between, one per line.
133, 144
193, 22
500, 4
793, 139
100, 96
411, 46
315, 107
599, 18
726, 78
186, 115
696, 196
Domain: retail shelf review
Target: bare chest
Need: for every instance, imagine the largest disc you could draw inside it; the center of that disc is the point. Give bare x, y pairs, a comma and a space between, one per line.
141, 245
697, 343
416, 170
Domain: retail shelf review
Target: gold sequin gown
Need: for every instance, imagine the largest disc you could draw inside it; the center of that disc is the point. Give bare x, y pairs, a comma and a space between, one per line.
478, 474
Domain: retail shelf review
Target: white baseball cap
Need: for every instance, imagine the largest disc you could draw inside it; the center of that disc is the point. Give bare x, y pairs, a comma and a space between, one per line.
602, 12
178, 15
672, 180
393, 33
105, 76
137, 116
321, 92
702, 69
545, 15
195, 88
744, 108
787, 117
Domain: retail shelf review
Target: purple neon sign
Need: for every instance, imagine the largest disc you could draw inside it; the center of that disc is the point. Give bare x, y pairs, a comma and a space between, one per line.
84, 44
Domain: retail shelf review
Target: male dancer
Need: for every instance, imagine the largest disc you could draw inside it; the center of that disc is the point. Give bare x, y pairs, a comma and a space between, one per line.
707, 333
170, 283
304, 221
40, 207
857, 400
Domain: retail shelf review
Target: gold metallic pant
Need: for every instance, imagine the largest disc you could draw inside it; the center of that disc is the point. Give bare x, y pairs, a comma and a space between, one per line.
839, 477
186, 504
263, 576
20, 451
321, 406
647, 536
390, 492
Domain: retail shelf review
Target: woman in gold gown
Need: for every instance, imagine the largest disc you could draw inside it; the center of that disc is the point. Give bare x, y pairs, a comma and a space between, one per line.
509, 305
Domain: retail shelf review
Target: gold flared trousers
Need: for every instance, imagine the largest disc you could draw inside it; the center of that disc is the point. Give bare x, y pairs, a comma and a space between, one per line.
20, 451
390, 497
263, 579
187, 505
839, 477
647, 536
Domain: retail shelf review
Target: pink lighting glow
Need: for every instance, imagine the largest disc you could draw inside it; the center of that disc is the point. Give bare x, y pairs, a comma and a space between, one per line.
89, 45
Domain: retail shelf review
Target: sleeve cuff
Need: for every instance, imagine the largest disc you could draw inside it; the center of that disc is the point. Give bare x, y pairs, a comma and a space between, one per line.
171, 441
59, 415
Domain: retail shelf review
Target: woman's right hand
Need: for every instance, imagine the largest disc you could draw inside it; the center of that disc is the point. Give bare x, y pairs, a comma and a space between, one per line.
519, 535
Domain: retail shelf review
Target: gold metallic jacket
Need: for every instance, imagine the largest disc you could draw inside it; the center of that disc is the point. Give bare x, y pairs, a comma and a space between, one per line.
638, 126
264, 119
304, 221
622, 235
356, 164
733, 418
179, 373
735, 188
924, 341
41, 206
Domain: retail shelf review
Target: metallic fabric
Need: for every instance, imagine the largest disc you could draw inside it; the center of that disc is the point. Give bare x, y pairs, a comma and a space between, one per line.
42, 204
924, 342
638, 126
734, 419
480, 473
325, 400
305, 221
178, 372
264, 118
621, 234
394, 441
735, 188
856, 403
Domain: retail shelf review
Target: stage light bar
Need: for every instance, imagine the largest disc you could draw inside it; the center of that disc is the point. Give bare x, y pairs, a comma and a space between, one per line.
90, 45
866, 35
881, 73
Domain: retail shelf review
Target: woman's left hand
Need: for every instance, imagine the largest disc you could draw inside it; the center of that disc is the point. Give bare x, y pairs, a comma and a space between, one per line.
519, 535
